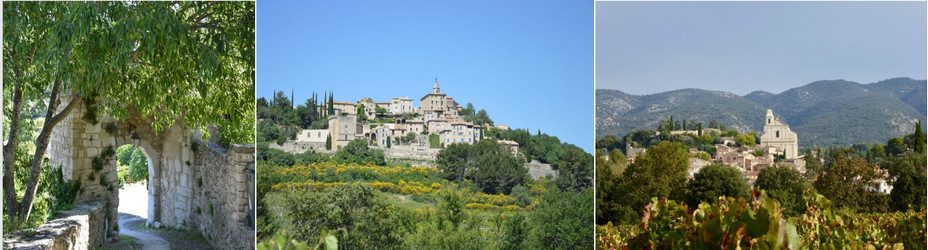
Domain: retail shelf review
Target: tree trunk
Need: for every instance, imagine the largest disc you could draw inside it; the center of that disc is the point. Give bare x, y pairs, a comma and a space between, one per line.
9, 152
41, 144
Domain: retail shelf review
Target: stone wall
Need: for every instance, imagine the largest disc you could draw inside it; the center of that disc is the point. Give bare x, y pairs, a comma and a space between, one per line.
298, 147
537, 169
78, 228
414, 155
177, 162
220, 195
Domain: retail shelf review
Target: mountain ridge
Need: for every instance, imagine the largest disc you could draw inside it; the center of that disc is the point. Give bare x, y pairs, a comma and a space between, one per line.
826, 112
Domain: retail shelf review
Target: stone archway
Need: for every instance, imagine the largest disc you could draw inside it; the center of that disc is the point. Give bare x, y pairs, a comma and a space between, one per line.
193, 185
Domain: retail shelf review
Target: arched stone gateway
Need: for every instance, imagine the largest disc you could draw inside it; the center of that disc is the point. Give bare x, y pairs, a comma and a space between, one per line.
192, 184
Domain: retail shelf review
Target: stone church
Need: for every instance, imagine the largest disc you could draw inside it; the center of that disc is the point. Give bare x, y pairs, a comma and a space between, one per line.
777, 134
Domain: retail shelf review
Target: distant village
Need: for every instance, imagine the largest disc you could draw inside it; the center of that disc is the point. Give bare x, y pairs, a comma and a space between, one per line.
777, 140
405, 132
438, 114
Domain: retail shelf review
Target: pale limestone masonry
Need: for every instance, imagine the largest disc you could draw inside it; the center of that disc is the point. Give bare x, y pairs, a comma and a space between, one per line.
778, 134
174, 169
312, 135
220, 196
537, 169
78, 228
298, 147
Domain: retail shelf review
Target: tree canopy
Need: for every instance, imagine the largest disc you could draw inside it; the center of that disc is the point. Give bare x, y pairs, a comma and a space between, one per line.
165, 60
714, 181
785, 184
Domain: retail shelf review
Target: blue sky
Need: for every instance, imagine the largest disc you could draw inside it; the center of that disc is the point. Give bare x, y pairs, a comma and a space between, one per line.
652, 47
528, 63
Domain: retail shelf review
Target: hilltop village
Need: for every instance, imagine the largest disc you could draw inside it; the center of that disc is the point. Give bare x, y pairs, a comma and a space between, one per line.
404, 131
438, 116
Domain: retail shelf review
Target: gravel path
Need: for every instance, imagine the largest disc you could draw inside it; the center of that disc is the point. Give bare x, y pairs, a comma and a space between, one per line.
133, 213
148, 241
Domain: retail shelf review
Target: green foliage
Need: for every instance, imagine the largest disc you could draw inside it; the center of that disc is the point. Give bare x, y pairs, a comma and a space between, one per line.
608, 174
53, 193
285, 242
725, 224
434, 232
328, 142
453, 161
138, 166
357, 152
362, 116
729, 223
661, 172
124, 155
149, 41
746, 139
814, 166
452, 207
609, 143
562, 220
849, 183
541, 147
786, 185
895, 146
714, 181
908, 172
575, 169
916, 140
703, 155
492, 167
823, 227
522, 195
190, 59
370, 221
434, 141
516, 230
406, 139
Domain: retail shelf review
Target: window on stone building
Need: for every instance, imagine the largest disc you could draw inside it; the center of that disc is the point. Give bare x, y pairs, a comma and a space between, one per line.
778, 134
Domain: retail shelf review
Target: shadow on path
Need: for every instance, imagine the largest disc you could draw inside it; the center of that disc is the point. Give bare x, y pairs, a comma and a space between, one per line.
148, 241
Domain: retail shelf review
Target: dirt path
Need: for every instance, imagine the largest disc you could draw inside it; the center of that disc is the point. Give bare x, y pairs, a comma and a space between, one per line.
148, 241
133, 214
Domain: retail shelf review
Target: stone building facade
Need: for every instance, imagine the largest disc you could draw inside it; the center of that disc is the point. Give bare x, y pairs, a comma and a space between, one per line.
345, 107
312, 135
460, 132
344, 129
401, 105
778, 134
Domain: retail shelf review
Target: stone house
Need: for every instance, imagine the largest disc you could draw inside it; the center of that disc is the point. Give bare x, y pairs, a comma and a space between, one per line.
344, 128
345, 107
502, 126
401, 105
512, 145
312, 135
381, 134
695, 164
415, 126
460, 132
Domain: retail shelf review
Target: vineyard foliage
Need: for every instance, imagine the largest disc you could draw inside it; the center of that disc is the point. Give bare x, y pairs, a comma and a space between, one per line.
731, 223
412, 180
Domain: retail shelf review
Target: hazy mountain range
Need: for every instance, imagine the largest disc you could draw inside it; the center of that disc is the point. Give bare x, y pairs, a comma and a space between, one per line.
832, 112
